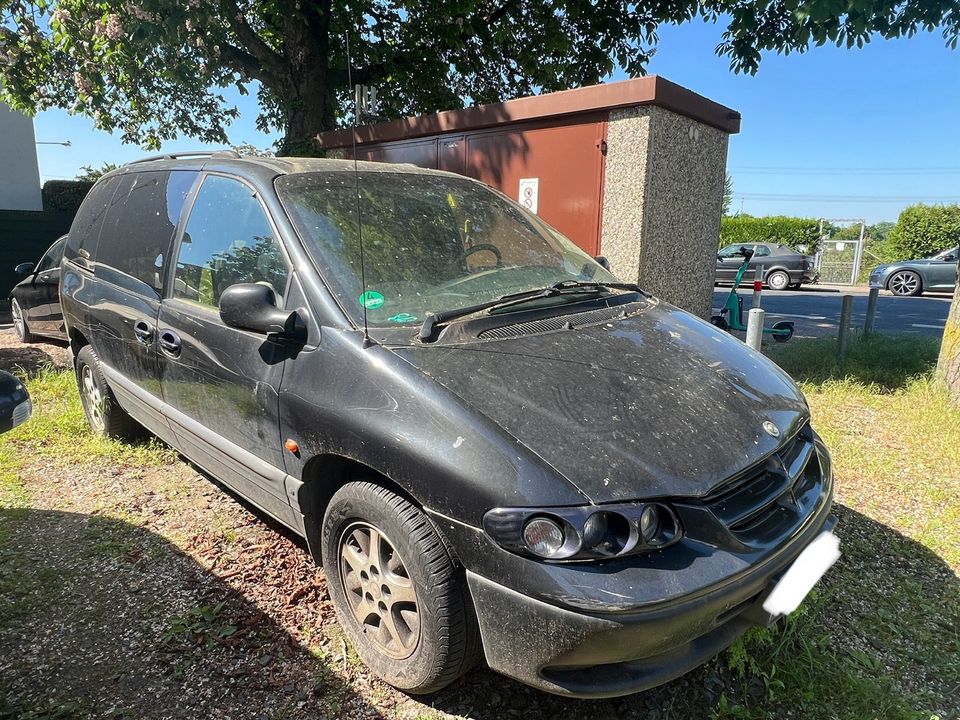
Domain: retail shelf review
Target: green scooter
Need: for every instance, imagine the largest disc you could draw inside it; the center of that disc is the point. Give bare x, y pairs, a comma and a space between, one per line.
731, 315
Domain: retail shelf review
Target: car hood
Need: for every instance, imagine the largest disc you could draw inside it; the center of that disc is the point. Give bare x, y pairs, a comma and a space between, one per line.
655, 404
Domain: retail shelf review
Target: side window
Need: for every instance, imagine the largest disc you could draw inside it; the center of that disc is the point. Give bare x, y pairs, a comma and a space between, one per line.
85, 230
51, 259
137, 233
761, 250
227, 240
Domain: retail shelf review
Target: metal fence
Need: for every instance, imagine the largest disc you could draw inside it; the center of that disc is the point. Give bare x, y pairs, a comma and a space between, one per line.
838, 261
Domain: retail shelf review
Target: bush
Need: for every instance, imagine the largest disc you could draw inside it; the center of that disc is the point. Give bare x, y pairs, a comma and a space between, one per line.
64, 195
790, 231
923, 230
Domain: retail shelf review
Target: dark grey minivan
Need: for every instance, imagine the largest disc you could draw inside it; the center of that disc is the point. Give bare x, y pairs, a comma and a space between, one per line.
495, 448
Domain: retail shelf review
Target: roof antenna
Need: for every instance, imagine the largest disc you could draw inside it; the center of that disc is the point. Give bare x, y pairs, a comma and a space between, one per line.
367, 342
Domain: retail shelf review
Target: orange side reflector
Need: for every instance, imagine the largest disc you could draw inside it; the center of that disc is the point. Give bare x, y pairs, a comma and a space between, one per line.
292, 446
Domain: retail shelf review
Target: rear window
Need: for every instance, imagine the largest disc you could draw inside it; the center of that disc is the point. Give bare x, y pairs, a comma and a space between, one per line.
85, 229
136, 235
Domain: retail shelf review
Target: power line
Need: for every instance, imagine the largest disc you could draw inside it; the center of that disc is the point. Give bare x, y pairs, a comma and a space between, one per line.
785, 197
786, 170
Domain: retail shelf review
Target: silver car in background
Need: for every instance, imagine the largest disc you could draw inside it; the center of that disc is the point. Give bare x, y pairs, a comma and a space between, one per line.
911, 277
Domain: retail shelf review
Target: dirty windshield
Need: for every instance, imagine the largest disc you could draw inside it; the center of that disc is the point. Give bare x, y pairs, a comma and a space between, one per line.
430, 243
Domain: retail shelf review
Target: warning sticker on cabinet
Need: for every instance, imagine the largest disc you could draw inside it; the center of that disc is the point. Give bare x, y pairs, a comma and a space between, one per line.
529, 190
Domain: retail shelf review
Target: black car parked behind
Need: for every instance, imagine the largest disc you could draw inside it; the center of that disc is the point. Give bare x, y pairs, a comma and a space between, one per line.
783, 267
35, 300
522, 459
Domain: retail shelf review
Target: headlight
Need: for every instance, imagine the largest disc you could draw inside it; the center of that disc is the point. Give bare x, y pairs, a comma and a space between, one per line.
584, 533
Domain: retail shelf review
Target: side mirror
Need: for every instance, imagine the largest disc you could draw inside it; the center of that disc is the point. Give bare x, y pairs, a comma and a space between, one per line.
24, 269
253, 306
15, 406
603, 262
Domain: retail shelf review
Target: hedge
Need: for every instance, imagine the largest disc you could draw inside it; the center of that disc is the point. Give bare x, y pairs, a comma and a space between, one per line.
790, 231
923, 230
64, 195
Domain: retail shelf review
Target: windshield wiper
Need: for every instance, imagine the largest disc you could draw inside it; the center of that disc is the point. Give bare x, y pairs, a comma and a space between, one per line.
563, 287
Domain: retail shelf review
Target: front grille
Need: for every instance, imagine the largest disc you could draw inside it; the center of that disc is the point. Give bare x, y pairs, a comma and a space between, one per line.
563, 322
765, 503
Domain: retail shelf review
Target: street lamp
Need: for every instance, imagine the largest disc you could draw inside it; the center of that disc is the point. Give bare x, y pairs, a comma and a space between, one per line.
52, 142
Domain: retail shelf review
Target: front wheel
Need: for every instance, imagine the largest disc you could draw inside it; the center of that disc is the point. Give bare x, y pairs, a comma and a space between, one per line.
397, 594
778, 280
20, 324
905, 283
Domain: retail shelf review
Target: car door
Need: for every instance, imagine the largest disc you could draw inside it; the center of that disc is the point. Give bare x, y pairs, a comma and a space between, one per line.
942, 271
46, 316
129, 261
727, 263
220, 384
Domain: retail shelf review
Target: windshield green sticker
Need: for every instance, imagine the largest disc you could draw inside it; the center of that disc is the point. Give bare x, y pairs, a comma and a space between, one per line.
371, 300
402, 318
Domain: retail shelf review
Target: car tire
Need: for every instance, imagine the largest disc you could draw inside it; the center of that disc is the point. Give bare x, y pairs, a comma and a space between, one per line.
405, 607
905, 283
778, 280
20, 327
103, 413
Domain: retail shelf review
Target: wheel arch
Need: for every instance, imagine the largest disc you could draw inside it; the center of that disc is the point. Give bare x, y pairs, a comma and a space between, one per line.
323, 475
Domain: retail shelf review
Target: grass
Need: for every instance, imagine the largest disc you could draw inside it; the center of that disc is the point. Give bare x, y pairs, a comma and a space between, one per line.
878, 638
881, 636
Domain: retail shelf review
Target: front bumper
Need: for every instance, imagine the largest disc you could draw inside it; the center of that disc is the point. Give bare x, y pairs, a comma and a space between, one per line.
597, 655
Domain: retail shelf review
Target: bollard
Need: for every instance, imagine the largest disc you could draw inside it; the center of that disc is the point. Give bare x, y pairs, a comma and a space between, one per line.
871, 311
846, 311
757, 286
755, 328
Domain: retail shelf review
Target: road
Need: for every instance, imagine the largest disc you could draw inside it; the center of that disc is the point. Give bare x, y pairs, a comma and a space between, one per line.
817, 312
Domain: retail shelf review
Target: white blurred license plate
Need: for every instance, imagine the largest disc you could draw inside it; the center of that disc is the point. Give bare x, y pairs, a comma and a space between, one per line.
806, 570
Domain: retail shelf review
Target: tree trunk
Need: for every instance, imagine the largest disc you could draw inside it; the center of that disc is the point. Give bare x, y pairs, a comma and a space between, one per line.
948, 368
310, 114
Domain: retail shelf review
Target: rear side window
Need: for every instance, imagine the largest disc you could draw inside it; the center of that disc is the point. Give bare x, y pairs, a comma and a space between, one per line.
228, 240
139, 227
85, 230
761, 250
51, 259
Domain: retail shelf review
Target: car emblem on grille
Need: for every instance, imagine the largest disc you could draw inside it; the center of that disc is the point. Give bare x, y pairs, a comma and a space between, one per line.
770, 429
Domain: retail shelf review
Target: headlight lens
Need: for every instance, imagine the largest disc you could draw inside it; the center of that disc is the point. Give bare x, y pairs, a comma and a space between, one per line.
543, 537
584, 533
649, 523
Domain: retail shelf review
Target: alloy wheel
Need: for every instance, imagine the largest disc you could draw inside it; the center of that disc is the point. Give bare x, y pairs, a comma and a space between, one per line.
92, 398
778, 280
18, 326
904, 283
379, 590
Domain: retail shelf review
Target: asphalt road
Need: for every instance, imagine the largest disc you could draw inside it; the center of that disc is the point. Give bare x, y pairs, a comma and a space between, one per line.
816, 312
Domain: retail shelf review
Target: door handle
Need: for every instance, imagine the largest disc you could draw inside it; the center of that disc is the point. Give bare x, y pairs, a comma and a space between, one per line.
44, 278
144, 331
170, 342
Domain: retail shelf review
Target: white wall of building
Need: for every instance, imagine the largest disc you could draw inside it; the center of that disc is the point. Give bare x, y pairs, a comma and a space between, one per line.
19, 172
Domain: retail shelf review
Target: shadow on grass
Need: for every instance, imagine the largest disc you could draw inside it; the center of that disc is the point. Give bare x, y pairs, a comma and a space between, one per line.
29, 359
877, 639
888, 362
99, 618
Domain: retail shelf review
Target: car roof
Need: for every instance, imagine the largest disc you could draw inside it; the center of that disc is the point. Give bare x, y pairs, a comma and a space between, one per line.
267, 168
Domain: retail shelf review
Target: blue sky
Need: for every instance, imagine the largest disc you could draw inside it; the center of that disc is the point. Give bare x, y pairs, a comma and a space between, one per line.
831, 133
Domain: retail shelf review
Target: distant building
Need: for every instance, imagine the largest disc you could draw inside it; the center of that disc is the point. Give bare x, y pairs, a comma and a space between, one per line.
19, 172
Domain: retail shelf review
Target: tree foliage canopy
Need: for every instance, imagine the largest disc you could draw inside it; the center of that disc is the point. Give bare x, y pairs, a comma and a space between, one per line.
154, 69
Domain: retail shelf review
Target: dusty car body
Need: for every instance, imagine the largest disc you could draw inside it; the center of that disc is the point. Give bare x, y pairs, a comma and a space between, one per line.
494, 447
783, 267
937, 273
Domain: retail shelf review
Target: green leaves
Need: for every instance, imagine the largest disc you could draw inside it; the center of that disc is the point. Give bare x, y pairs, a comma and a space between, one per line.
923, 230
155, 69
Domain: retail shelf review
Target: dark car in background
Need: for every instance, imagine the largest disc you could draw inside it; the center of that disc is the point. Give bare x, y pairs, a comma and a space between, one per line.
493, 446
937, 273
783, 267
15, 404
35, 300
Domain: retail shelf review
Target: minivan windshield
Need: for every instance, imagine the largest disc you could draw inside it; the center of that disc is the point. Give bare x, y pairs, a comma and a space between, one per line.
431, 243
